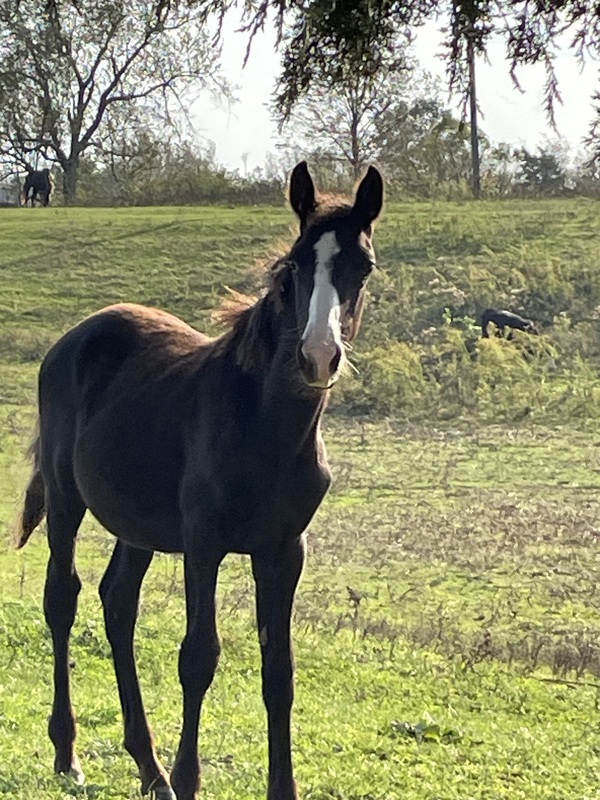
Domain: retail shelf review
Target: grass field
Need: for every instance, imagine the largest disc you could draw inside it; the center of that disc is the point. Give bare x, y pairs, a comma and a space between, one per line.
447, 627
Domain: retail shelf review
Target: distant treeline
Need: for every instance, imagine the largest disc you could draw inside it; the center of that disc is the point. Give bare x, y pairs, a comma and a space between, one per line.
159, 173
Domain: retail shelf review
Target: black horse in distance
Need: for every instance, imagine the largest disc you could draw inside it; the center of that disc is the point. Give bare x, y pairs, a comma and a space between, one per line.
37, 186
503, 320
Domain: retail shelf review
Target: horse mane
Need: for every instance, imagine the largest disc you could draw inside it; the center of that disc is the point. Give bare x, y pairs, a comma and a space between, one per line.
232, 307
249, 319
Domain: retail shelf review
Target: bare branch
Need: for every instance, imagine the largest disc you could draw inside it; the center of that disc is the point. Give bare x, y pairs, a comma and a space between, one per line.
60, 78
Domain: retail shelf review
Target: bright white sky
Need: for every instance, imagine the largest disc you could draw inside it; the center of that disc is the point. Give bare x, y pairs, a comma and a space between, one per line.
508, 115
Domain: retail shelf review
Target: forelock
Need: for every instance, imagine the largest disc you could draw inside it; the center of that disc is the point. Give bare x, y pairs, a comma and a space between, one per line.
330, 208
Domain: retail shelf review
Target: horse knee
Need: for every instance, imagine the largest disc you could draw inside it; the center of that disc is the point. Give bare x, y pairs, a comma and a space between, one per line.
278, 683
198, 661
60, 597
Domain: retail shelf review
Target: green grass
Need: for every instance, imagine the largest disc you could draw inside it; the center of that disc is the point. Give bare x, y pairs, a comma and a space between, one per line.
60, 264
440, 266
58, 268
447, 626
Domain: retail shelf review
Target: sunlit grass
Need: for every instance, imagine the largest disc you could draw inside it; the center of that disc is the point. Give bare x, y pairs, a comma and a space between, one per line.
447, 626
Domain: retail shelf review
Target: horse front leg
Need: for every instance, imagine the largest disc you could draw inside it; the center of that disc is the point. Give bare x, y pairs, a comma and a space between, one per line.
276, 575
120, 594
198, 659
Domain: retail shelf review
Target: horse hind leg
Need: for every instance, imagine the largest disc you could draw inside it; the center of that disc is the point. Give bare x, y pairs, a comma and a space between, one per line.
120, 593
65, 510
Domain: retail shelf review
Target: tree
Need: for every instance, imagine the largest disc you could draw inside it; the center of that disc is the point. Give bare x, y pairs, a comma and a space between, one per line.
66, 66
395, 118
423, 148
541, 173
500, 166
343, 117
586, 175
154, 171
336, 35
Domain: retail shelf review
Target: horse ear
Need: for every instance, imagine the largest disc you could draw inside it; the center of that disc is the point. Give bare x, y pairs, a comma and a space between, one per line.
302, 193
369, 199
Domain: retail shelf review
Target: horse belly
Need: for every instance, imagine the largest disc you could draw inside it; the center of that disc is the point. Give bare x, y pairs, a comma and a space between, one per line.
159, 532
131, 488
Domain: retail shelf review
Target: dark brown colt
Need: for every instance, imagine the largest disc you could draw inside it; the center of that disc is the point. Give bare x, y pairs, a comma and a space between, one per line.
180, 443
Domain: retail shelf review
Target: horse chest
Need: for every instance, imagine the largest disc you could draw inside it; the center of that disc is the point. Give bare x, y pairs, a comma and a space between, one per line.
282, 515
248, 510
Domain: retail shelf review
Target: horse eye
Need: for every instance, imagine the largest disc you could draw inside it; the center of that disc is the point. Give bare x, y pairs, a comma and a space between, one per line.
293, 267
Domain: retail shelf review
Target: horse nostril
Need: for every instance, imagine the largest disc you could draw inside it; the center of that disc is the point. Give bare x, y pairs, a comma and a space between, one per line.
316, 368
335, 361
307, 366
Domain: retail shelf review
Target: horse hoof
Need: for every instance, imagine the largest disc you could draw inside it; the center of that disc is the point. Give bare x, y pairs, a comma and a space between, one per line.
74, 772
77, 776
159, 789
162, 793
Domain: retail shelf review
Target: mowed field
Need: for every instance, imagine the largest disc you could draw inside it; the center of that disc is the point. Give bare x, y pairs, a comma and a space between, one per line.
447, 626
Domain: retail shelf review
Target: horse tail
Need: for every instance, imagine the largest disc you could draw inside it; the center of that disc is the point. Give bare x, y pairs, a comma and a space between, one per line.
34, 509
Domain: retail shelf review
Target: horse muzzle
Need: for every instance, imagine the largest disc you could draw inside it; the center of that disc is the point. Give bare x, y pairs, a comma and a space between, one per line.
320, 366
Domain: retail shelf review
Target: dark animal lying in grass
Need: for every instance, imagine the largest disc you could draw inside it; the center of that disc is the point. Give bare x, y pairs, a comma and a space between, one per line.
38, 185
503, 320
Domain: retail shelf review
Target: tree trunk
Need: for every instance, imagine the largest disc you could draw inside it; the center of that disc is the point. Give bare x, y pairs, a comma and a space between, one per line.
474, 132
355, 144
70, 175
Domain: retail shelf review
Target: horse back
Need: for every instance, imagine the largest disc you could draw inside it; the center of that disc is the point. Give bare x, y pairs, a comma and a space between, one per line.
115, 349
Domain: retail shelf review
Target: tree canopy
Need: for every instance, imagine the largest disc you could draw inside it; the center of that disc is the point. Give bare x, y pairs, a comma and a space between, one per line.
337, 35
82, 74
70, 67
345, 118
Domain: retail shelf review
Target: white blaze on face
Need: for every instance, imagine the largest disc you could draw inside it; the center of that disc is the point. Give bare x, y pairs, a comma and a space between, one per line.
322, 337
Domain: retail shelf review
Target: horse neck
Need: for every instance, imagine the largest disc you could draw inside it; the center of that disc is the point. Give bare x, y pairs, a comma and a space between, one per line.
264, 344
